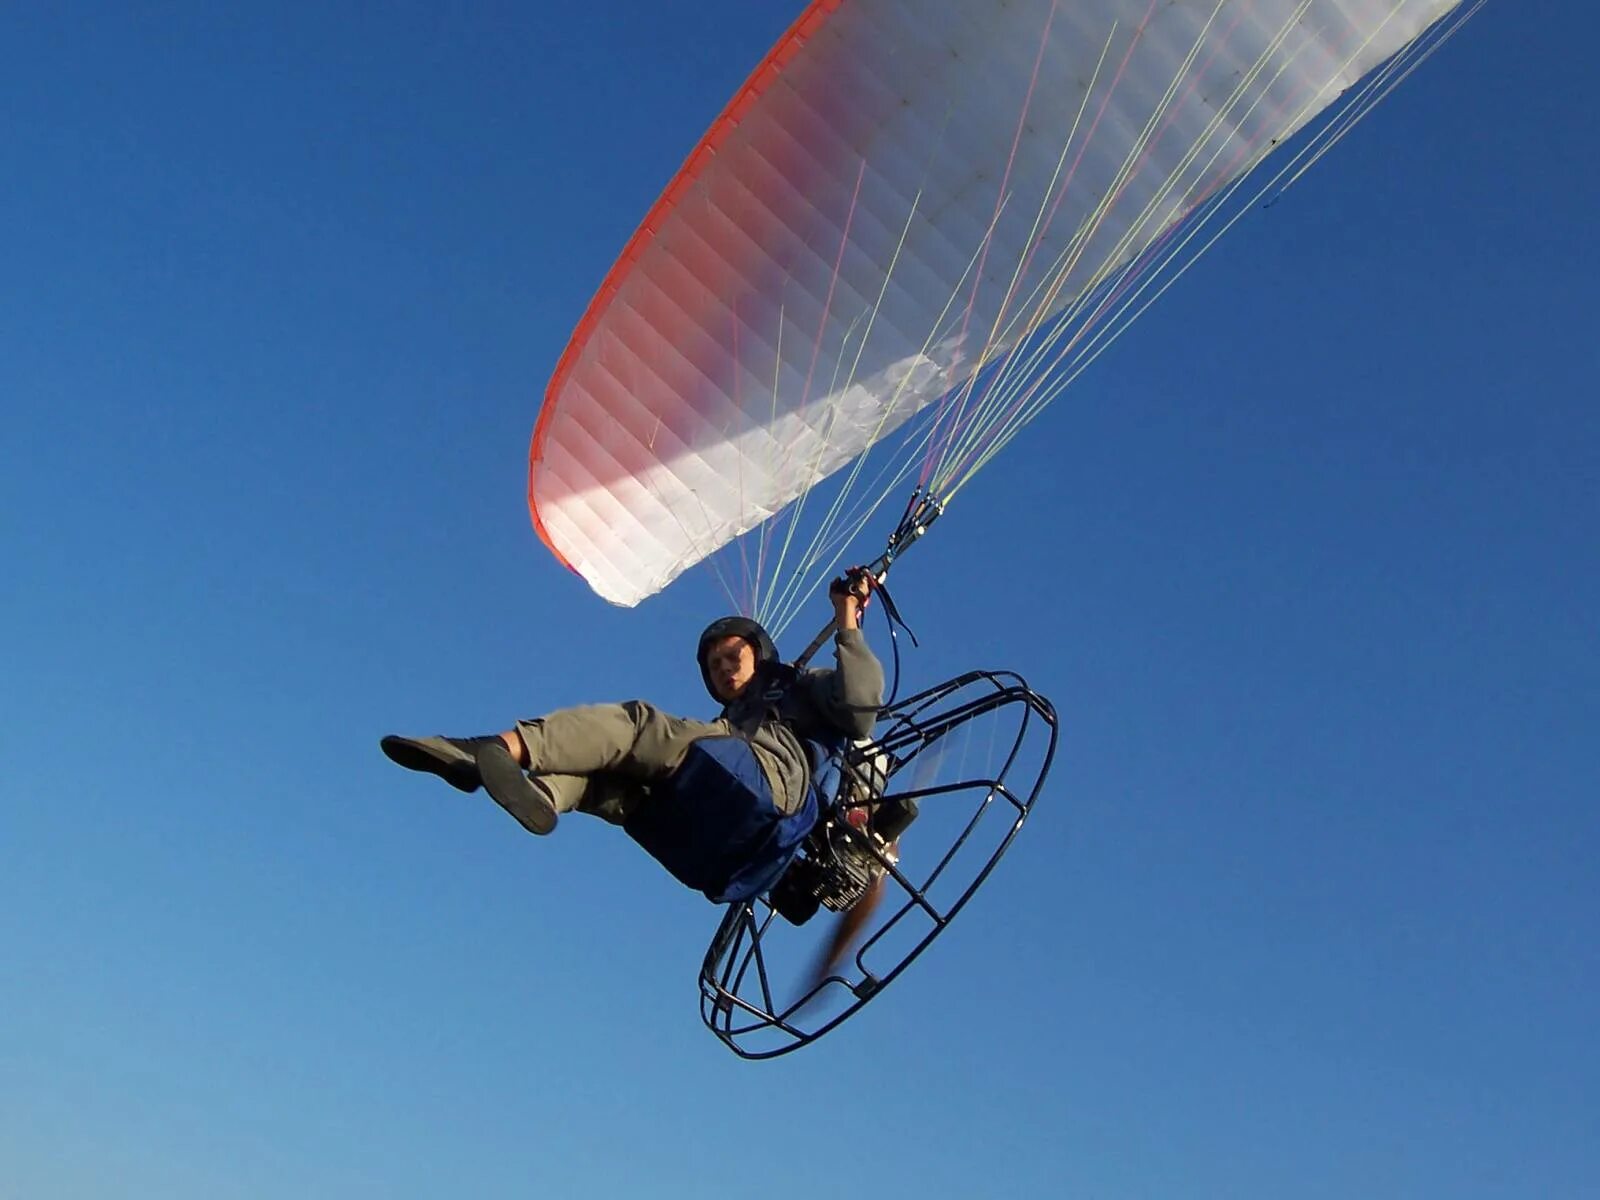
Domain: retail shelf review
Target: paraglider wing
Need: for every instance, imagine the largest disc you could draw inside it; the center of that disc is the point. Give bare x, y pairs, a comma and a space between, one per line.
901, 192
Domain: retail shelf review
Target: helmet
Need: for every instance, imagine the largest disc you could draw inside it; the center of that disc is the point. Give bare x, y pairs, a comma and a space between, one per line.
750, 631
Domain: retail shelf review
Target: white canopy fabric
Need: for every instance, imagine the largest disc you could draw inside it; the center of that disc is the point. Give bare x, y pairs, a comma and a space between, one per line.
902, 188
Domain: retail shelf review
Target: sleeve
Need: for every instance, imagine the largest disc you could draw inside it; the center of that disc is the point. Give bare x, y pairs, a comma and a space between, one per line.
849, 695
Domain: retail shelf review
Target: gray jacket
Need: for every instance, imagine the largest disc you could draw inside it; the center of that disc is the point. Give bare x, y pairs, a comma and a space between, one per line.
821, 704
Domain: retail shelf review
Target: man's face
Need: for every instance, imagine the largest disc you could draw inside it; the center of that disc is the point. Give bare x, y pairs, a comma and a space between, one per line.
731, 663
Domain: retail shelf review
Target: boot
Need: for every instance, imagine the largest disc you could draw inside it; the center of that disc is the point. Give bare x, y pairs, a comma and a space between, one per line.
525, 798
451, 759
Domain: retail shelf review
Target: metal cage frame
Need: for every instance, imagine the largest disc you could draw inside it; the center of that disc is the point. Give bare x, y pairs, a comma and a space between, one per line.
737, 997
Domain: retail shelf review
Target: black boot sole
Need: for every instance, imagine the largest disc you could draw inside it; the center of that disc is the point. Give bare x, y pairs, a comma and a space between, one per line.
413, 755
514, 791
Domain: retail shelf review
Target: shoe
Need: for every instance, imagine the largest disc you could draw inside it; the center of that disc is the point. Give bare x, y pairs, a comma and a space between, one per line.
526, 799
451, 759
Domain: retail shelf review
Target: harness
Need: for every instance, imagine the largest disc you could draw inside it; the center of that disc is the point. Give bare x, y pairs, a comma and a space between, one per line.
714, 824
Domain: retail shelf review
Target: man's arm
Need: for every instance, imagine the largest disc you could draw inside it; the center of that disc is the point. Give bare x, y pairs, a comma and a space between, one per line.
851, 694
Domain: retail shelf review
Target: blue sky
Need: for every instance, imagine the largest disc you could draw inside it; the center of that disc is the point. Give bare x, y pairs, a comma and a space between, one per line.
1307, 563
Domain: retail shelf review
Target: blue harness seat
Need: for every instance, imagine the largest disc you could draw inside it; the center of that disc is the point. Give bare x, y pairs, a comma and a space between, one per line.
714, 825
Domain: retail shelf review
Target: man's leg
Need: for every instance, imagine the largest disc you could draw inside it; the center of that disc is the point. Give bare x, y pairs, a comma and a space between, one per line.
610, 797
632, 739
631, 744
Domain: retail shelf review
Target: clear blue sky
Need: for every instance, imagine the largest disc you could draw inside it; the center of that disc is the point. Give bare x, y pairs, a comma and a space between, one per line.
1308, 563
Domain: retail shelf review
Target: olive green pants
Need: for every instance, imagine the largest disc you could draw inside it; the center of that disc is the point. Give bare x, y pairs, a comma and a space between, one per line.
602, 758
